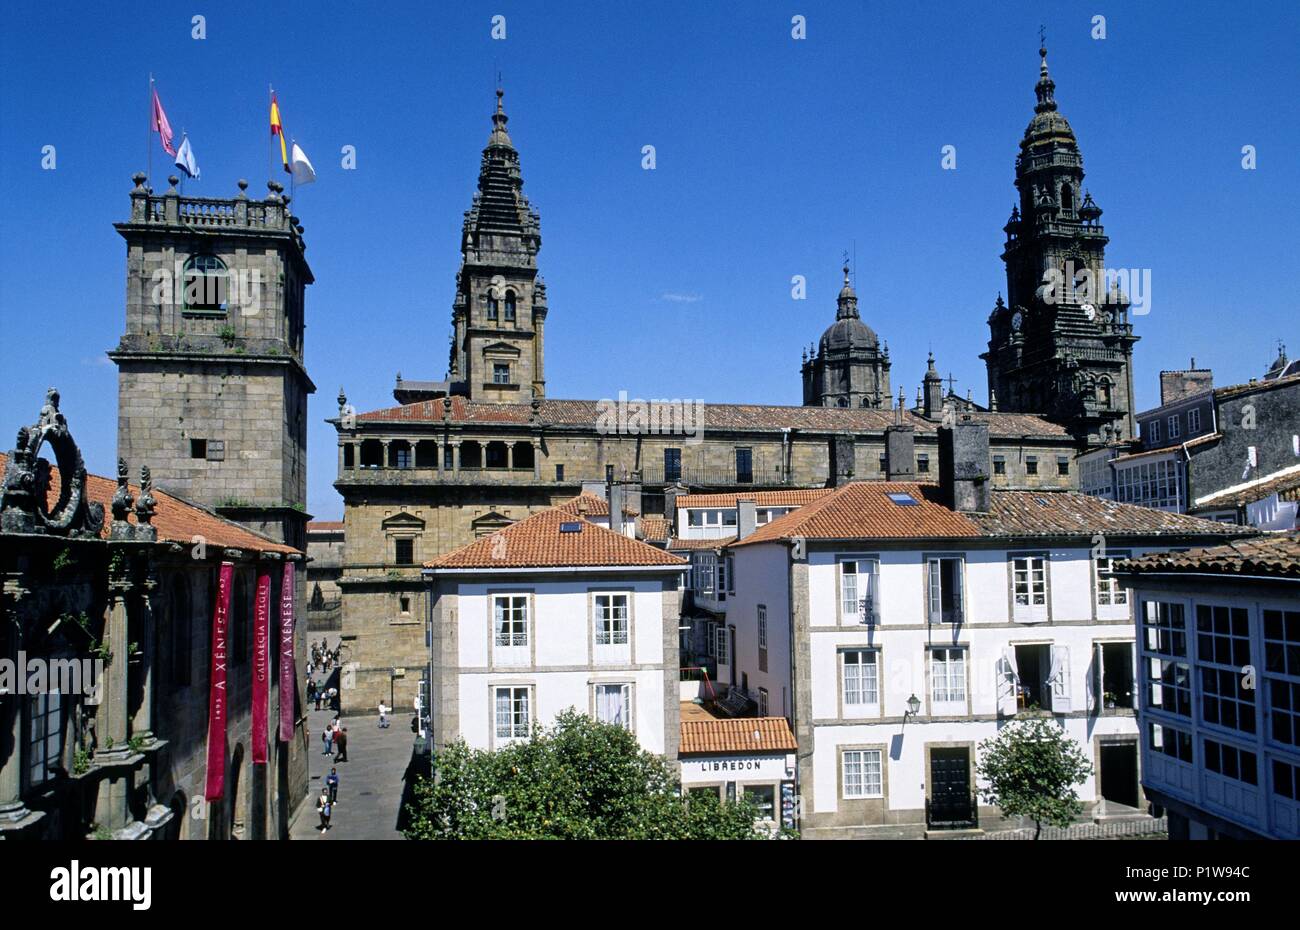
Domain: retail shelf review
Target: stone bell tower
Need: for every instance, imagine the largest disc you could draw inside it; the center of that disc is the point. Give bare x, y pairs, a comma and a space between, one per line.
212, 390
499, 313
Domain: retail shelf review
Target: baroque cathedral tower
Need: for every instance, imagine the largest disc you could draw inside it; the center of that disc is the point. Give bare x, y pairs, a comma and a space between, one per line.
848, 368
1061, 344
499, 312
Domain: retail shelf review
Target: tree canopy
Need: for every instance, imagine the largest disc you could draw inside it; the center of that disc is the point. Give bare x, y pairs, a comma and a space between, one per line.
1033, 767
580, 779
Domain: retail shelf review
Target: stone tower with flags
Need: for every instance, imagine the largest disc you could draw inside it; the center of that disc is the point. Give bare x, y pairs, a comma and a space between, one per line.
1061, 343
212, 389
499, 312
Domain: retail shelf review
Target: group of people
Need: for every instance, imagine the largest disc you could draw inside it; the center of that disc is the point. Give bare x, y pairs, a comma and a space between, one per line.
335, 738
316, 694
322, 657
329, 796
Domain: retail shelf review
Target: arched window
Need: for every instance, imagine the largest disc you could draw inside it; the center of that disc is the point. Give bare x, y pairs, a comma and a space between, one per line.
510, 306
1067, 197
1104, 392
206, 284
492, 307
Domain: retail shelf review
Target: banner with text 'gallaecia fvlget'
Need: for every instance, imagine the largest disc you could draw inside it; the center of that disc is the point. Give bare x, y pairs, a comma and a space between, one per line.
287, 689
261, 663
217, 697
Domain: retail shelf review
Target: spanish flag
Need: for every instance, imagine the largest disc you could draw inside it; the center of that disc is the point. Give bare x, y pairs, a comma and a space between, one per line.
277, 129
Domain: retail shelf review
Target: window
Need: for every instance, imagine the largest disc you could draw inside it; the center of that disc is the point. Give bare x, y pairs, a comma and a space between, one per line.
1175, 429
1286, 780
945, 591
206, 284
198, 448
731, 574
762, 702
609, 473
722, 579
1150, 484
1029, 587
559, 472
614, 704
492, 306
862, 775
1167, 680
861, 679
404, 604
1112, 682
404, 551
1153, 431
611, 619
403, 456
1222, 651
1231, 762
500, 372
1282, 673
999, 464
923, 462
1170, 741
448, 457
744, 466
728, 517
764, 798
512, 713
1062, 465
1193, 421
884, 463
510, 306
762, 626
720, 649
704, 575
858, 584
948, 676
1110, 592
672, 465
44, 736
1031, 465
510, 619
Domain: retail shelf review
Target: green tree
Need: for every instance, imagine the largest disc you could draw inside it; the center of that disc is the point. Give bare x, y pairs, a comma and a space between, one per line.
1032, 768
580, 779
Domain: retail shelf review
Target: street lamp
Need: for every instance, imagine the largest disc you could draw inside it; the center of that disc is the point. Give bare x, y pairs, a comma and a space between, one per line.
913, 708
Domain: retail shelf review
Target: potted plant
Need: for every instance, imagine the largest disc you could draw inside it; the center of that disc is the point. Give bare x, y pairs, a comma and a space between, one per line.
1109, 699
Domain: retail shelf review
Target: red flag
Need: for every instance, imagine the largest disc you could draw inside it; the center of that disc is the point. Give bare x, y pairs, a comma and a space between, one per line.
261, 664
216, 780
161, 126
288, 671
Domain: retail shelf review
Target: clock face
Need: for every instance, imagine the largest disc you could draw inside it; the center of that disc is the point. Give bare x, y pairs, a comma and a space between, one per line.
1016, 320
1089, 311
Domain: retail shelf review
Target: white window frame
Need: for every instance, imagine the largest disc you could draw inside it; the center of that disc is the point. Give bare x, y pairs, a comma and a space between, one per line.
1194, 420
866, 693
1030, 570
609, 631
1154, 431
518, 727
933, 587
511, 637
948, 676
762, 702
1175, 426
625, 692
856, 606
1108, 590
44, 736
872, 784
762, 626
721, 652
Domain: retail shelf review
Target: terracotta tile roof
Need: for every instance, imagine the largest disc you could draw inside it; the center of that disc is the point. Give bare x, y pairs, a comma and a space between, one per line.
1275, 555
862, 510
769, 417
596, 506
537, 542
325, 526
176, 520
1285, 483
677, 543
736, 735
655, 528
791, 497
1191, 444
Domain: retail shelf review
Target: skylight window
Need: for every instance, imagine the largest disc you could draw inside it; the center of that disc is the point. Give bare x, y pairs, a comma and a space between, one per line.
574, 527
903, 499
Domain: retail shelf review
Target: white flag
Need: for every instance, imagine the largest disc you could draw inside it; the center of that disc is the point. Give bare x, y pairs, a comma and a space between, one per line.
303, 172
185, 159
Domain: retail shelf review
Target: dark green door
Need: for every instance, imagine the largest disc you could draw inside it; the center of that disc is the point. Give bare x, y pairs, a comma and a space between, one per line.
950, 803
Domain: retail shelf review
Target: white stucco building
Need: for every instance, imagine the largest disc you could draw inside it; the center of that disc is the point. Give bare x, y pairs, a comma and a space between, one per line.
554, 612
980, 605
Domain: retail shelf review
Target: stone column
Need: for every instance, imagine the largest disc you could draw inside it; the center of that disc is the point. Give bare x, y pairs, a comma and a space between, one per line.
147, 630
112, 809
455, 459
12, 811
385, 461
510, 456
341, 445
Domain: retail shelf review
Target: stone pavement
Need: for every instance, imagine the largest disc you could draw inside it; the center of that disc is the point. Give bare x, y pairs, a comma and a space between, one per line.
371, 782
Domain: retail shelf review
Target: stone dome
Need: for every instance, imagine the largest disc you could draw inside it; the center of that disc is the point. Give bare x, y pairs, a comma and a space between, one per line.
848, 333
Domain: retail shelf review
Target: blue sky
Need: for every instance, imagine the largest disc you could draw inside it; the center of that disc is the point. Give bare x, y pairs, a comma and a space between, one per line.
773, 157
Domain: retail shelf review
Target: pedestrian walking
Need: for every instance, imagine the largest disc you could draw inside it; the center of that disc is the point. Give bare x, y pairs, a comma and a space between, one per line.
383, 715
327, 738
324, 807
342, 741
332, 783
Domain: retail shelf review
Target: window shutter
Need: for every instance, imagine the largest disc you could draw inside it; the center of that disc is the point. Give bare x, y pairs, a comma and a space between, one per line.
1008, 683
936, 596
870, 593
1060, 679
849, 590
1094, 680
957, 593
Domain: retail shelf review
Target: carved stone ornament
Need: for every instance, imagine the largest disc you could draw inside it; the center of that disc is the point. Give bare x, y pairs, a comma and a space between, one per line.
24, 504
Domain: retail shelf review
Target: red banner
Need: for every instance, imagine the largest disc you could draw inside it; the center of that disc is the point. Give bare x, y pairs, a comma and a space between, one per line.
217, 688
261, 663
287, 666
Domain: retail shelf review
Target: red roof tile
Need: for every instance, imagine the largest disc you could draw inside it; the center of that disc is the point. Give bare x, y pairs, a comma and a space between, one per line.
679, 543
1275, 555
736, 735
788, 497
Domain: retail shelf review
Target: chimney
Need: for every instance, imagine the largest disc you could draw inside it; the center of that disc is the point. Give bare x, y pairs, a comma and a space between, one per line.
616, 507
746, 518
964, 466
1175, 385
671, 493
933, 390
842, 455
900, 453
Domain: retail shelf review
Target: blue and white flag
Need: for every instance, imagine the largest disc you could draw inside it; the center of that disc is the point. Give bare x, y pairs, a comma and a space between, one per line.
185, 159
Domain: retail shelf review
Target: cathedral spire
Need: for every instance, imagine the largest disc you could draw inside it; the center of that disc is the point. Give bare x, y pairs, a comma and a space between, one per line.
1046, 87
499, 119
847, 304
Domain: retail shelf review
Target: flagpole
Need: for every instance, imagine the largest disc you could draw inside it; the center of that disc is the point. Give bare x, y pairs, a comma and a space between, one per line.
293, 178
270, 151
148, 139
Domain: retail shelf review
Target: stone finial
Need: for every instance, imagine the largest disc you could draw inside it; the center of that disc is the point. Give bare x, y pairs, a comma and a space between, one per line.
122, 499
343, 399
173, 180
242, 184
145, 503
139, 178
